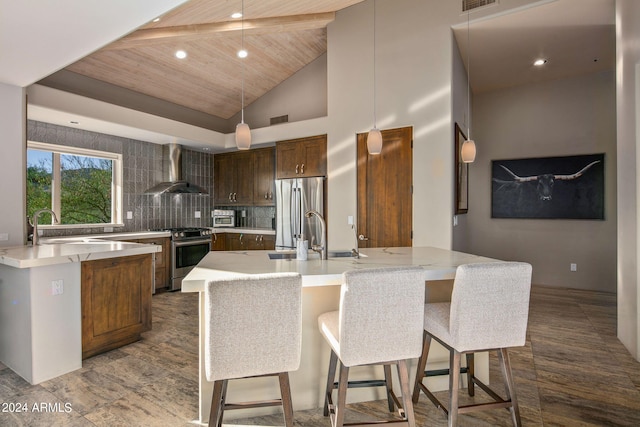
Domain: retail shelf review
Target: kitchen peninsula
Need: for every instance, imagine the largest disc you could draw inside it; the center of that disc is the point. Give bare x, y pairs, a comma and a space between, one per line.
321, 293
40, 303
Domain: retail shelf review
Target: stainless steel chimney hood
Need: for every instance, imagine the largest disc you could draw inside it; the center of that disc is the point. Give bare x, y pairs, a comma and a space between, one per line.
175, 184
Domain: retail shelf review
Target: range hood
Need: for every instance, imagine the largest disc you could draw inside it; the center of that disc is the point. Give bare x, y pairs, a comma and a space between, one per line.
175, 184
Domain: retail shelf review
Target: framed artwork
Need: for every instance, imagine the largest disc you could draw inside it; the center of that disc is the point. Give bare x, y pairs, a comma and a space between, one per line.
569, 187
462, 174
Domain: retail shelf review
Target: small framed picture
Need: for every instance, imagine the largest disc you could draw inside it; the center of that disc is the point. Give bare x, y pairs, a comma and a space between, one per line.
462, 174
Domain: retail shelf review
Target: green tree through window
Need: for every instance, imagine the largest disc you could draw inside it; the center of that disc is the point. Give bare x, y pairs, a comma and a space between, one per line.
85, 187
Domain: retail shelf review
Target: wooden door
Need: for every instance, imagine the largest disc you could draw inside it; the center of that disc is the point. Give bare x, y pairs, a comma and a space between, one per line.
385, 188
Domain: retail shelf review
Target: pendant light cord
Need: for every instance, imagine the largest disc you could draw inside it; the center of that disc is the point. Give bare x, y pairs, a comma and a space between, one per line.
374, 66
242, 60
468, 77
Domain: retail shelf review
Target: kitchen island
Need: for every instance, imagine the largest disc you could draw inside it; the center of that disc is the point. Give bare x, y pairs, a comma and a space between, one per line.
40, 303
321, 293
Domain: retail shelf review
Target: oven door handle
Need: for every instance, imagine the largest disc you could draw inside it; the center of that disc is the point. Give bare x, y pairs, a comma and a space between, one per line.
190, 242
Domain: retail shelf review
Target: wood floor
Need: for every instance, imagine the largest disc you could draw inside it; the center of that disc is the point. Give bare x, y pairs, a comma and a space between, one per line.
572, 372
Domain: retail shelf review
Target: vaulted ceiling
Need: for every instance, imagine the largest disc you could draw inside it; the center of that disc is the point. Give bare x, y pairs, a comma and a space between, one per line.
281, 37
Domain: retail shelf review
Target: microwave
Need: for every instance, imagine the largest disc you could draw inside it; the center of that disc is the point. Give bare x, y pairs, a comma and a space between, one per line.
224, 218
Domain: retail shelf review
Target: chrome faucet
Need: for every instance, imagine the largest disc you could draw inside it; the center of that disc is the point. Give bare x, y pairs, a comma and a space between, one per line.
322, 247
35, 223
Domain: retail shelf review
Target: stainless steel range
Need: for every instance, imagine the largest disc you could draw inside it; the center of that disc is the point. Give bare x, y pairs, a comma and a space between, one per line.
188, 247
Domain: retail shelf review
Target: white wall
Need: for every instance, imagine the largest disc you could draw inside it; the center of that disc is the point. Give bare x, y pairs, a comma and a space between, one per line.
302, 96
557, 118
13, 143
628, 115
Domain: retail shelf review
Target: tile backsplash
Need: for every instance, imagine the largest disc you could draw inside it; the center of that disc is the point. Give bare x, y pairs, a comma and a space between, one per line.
143, 166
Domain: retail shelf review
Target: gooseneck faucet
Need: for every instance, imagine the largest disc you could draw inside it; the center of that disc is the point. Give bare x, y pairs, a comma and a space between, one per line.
322, 247
35, 223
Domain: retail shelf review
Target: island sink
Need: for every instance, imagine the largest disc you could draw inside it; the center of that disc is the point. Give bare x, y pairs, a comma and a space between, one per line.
292, 255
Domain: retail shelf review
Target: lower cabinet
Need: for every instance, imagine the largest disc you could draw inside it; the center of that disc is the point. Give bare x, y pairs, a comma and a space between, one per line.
162, 274
243, 242
115, 302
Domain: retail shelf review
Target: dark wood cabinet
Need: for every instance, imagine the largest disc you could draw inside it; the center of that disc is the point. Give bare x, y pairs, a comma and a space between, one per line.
260, 242
162, 274
116, 302
302, 157
247, 241
233, 178
236, 242
218, 242
264, 161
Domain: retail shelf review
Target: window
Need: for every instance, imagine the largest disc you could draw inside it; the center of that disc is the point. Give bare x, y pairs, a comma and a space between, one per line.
83, 187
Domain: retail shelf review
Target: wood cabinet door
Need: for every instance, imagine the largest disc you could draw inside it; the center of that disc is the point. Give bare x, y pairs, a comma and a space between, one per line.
385, 187
218, 242
244, 172
314, 156
301, 157
264, 164
236, 242
115, 302
287, 164
222, 179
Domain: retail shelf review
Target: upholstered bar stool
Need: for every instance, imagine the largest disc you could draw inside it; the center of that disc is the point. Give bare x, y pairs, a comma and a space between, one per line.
253, 327
489, 310
379, 322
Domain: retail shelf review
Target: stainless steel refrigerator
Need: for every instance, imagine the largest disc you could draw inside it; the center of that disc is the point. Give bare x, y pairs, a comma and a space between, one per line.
294, 197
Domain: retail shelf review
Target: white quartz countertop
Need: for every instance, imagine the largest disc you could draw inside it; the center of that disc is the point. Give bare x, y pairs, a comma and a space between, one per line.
106, 236
438, 264
222, 230
60, 253
60, 250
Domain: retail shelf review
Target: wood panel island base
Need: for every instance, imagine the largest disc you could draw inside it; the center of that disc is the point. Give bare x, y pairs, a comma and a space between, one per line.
321, 281
41, 309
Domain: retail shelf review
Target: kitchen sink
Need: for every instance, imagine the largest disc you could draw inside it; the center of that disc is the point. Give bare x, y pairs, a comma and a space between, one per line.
282, 255
292, 255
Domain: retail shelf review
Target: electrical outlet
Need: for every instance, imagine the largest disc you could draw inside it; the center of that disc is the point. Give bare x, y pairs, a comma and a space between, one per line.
129, 215
197, 214
455, 220
573, 266
4, 237
350, 220
57, 287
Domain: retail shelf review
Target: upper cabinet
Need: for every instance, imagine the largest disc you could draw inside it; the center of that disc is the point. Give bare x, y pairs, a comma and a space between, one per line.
264, 161
233, 178
302, 157
244, 178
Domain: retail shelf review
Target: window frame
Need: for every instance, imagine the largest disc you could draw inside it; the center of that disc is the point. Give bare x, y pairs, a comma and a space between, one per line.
116, 182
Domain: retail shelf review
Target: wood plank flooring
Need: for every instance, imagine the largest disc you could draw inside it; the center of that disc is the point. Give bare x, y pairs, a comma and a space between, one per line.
573, 371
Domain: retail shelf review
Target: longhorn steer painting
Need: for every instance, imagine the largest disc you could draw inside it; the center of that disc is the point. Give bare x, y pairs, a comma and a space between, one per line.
552, 187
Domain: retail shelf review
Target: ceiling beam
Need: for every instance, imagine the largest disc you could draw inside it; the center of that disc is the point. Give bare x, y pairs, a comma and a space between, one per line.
145, 37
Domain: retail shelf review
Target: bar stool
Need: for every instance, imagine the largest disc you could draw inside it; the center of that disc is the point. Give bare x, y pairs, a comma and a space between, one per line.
253, 327
489, 310
380, 322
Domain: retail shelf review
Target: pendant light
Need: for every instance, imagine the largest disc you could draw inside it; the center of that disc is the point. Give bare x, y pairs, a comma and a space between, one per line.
243, 133
468, 150
374, 139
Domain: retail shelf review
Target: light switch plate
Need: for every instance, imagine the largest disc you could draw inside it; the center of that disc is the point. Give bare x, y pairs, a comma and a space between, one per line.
57, 287
197, 214
129, 215
4, 237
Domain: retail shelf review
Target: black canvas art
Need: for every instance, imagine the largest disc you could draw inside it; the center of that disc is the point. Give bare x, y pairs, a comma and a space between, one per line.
552, 187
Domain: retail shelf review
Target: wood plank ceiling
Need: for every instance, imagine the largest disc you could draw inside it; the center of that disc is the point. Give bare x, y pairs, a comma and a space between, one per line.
281, 36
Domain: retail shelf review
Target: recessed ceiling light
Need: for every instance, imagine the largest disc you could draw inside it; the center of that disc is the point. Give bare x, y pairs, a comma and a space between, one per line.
242, 53
156, 20
181, 54
236, 15
539, 62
